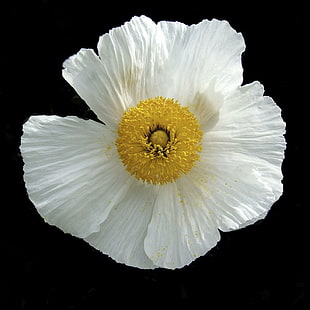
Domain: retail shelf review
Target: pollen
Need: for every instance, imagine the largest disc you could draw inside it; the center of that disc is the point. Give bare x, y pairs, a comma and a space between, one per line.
159, 140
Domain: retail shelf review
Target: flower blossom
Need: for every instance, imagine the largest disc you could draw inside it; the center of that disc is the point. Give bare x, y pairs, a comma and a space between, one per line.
182, 152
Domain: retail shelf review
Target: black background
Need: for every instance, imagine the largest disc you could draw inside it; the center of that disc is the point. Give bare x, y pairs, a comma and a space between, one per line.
259, 267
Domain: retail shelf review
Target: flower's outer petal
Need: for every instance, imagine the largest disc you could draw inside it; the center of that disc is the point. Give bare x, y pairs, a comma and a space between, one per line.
201, 55
132, 55
140, 60
122, 235
86, 74
122, 74
72, 172
181, 228
240, 165
203, 66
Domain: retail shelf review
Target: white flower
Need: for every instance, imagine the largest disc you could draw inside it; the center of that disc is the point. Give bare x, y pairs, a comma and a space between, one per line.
185, 151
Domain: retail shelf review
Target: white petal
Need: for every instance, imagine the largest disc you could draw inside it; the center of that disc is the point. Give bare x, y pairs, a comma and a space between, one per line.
206, 106
140, 60
72, 172
86, 74
241, 160
122, 235
209, 52
132, 55
181, 228
122, 76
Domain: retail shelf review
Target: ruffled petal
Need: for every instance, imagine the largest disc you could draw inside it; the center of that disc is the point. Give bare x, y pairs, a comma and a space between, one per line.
132, 55
122, 76
201, 55
72, 172
205, 106
241, 161
86, 74
181, 228
122, 235
140, 60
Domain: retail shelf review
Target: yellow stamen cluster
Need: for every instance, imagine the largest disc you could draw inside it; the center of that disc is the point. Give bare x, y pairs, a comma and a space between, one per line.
158, 140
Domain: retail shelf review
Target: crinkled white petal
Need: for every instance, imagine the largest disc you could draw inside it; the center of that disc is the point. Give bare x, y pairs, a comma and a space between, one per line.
205, 106
87, 75
122, 76
72, 172
181, 228
200, 55
240, 166
142, 59
122, 235
132, 55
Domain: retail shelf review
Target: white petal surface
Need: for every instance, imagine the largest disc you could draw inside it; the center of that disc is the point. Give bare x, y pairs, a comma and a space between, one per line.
241, 160
181, 228
140, 60
205, 106
122, 235
201, 55
86, 74
72, 172
122, 75
132, 55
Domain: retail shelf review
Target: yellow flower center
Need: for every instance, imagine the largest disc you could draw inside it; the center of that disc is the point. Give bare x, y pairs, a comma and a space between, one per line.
158, 140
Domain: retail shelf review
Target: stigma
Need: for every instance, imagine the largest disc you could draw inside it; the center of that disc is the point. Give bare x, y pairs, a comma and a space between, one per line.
159, 137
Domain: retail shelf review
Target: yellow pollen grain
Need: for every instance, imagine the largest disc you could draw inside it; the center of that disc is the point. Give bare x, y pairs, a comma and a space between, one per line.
158, 140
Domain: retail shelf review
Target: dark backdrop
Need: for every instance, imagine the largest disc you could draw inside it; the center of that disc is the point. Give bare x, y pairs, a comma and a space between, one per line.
259, 267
